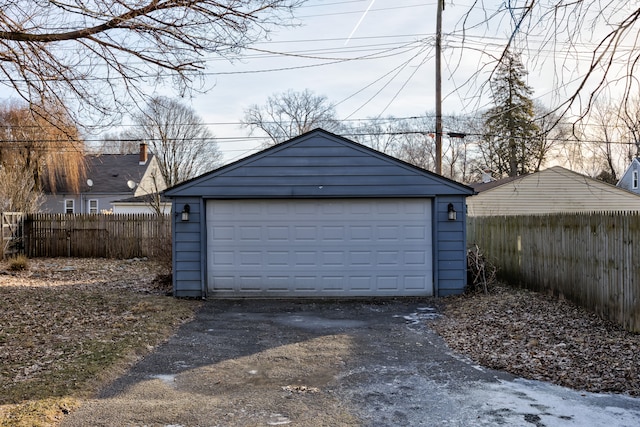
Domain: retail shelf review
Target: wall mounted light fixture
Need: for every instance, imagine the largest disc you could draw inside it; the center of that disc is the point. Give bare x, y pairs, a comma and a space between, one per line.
185, 212
451, 212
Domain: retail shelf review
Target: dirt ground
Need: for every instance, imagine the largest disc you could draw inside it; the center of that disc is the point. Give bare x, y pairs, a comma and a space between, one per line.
309, 363
365, 363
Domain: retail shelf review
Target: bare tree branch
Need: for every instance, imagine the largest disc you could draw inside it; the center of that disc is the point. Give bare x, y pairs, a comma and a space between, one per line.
184, 146
106, 54
289, 114
592, 45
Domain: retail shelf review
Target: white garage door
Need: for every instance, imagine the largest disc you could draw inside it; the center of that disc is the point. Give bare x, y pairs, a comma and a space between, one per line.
300, 248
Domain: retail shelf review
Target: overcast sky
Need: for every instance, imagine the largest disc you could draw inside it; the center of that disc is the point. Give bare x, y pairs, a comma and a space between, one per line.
370, 58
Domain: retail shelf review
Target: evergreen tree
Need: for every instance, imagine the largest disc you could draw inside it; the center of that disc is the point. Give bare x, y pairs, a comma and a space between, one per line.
511, 138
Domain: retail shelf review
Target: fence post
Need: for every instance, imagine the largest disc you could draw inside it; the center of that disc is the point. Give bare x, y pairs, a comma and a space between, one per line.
12, 233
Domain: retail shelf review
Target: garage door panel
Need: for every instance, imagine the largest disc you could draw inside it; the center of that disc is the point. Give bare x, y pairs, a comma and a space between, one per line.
223, 258
319, 247
388, 258
250, 233
414, 282
222, 233
277, 233
332, 233
418, 258
387, 283
329, 259
361, 258
249, 259
415, 232
304, 258
278, 258
360, 232
305, 233
359, 284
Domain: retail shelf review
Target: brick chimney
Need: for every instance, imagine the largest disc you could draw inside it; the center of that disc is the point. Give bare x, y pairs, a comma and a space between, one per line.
143, 153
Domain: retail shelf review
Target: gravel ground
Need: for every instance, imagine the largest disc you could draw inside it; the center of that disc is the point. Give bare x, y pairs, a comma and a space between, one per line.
539, 337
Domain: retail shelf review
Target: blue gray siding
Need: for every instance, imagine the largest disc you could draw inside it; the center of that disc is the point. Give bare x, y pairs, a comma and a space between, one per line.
450, 247
319, 165
189, 260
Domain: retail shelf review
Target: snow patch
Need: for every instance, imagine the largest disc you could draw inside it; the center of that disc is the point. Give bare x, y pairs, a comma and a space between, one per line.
421, 315
278, 420
168, 379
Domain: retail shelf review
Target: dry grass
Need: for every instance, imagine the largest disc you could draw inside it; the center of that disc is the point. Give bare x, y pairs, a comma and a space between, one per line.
67, 326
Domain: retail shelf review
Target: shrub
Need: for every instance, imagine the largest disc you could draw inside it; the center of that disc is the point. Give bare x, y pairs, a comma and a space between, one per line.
18, 263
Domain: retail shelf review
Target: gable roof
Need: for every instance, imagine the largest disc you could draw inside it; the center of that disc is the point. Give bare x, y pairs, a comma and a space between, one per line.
110, 173
626, 181
552, 190
318, 164
479, 187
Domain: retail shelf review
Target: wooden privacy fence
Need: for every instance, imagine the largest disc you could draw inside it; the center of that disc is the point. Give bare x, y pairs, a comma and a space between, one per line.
97, 235
592, 259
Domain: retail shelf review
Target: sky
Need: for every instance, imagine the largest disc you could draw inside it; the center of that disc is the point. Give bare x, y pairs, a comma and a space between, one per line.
370, 58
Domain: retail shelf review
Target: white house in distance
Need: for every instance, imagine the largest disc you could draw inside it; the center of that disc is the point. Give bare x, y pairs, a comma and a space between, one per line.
147, 204
629, 180
553, 190
110, 178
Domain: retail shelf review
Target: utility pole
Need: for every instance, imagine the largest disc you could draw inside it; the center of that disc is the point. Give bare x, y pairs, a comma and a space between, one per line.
439, 88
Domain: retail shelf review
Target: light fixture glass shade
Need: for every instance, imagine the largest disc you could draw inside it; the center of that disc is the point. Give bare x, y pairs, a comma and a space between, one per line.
185, 212
451, 212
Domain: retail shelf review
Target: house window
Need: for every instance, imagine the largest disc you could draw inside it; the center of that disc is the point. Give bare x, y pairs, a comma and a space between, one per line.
69, 206
93, 206
635, 180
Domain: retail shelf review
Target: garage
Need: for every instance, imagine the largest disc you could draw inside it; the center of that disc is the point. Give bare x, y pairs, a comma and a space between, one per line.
318, 216
319, 248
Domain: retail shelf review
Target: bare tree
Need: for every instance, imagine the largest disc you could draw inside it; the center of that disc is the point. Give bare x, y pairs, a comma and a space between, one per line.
604, 144
185, 147
631, 119
419, 150
289, 114
18, 192
592, 45
549, 139
385, 135
413, 140
37, 155
115, 143
103, 53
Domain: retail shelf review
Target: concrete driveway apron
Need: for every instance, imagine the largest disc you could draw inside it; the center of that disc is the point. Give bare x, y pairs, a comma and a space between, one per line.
316, 363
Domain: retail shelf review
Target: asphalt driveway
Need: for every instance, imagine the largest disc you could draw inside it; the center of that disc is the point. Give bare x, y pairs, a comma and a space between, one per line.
309, 363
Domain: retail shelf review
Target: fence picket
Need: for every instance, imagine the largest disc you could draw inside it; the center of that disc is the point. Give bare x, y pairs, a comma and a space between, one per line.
590, 258
96, 235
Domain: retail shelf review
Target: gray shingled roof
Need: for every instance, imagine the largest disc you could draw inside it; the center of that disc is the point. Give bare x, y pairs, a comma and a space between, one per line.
110, 173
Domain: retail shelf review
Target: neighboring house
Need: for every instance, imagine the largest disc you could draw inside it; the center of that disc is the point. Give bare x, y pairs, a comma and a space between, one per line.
553, 190
148, 204
109, 178
629, 180
319, 216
